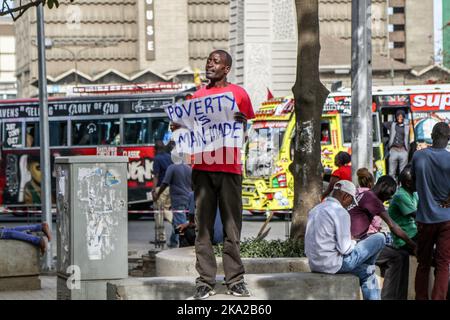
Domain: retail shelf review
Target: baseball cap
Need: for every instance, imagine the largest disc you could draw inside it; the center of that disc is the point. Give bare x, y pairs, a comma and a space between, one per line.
347, 187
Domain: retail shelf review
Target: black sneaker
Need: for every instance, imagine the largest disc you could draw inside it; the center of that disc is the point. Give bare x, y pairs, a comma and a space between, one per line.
203, 292
239, 290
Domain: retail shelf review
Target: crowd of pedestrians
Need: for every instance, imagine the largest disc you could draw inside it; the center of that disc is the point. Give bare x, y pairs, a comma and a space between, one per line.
351, 231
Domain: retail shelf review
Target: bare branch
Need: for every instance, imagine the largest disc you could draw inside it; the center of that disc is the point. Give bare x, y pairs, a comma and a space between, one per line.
20, 9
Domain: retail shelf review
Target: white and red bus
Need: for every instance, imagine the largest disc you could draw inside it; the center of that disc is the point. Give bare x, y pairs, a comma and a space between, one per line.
122, 125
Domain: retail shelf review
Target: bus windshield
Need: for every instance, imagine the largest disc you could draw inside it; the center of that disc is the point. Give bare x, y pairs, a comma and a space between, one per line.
264, 144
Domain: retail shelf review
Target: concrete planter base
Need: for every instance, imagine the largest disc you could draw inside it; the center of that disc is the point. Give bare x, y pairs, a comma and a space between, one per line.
181, 262
274, 286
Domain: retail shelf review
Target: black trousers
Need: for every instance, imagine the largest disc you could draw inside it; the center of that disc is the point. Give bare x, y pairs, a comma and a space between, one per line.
394, 266
223, 190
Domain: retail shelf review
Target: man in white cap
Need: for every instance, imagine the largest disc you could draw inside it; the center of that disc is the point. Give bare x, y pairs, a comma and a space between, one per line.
330, 247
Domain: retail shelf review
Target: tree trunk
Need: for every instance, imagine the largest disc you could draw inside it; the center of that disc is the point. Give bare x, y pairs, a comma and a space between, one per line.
310, 95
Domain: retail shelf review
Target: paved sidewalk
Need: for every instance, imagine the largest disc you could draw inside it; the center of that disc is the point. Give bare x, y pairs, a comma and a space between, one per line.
47, 292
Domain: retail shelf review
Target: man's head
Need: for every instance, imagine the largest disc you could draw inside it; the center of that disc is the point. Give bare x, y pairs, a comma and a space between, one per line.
218, 65
400, 116
385, 188
159, 146
440, 135
405, 178
345, 192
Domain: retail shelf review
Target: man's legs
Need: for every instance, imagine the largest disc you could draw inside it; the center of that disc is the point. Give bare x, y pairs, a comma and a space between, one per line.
179, 217
18, 235
394, 265
230, 205
361, 262
206, 207
393, 161
160, 208
426, 239
403, 160
442, 258
31, 228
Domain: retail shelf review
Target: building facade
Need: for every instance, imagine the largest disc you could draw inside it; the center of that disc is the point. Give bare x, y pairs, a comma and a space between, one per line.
98, 42
263, 42
8, 87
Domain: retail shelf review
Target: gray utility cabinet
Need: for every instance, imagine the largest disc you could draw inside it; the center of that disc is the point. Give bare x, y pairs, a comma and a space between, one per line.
92, 217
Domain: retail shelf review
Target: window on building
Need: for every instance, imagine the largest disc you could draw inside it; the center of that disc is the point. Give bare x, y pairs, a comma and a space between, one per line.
399, 27
399, 10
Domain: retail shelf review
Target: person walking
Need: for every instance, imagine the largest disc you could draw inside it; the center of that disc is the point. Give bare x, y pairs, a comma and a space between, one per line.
217, 182
178, 179
431, 174
162, 205
398, 144
329, 245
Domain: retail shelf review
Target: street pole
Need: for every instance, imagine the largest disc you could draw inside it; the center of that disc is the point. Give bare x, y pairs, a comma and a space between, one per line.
46, 204
362, 142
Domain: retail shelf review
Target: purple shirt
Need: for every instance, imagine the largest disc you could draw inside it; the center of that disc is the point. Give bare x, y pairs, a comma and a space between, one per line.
361, 215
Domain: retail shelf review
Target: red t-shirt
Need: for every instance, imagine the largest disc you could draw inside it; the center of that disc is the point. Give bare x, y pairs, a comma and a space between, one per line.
343, 173
229, 158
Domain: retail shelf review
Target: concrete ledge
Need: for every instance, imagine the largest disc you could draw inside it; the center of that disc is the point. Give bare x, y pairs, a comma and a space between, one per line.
19, 266
181, 262
20, 283
18, 258
276, 286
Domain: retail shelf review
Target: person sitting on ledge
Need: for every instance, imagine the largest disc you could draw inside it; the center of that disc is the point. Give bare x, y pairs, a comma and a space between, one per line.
329, 245
23, 233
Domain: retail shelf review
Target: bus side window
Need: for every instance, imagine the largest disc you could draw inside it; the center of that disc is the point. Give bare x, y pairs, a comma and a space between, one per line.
136, 131
325, 136
84, 133
160, 128
32, 135
58, 133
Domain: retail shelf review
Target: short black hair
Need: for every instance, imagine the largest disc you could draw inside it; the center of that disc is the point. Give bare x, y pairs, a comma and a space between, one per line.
385, 187
228, 59
405, 178
159, 146
441, 131
343, 158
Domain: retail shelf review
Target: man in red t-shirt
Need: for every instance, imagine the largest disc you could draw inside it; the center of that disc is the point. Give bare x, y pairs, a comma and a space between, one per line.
217, 182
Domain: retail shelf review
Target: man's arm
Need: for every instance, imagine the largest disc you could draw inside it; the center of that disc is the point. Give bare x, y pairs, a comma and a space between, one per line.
344, 242
397, 230
446, 202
